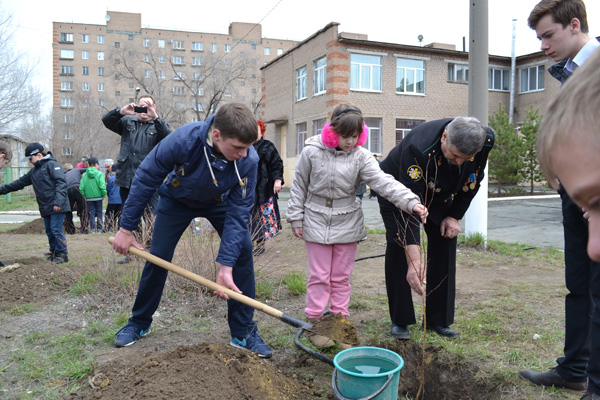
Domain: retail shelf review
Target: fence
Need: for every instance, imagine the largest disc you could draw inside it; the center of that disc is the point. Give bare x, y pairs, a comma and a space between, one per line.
10, 174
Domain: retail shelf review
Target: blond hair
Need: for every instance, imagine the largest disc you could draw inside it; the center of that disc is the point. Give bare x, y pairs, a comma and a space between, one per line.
574, 113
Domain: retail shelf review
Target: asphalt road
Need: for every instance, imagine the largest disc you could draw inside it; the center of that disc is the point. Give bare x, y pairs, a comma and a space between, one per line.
535, 220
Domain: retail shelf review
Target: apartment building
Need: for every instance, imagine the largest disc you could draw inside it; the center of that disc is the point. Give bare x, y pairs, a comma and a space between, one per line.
99, 67
396, 86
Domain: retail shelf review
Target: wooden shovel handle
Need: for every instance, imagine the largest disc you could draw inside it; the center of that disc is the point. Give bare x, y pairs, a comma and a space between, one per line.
203, 281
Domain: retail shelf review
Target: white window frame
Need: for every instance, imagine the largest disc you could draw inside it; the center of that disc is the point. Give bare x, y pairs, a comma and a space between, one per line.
162, 59
301, 132
66, 102
197, 46
101, 87
373, 69
375, 139
100, 71
66, 86
196, 61
85, 71
85, 86
504, 79
279, 52
85, 55
66, 37
213, 48
414, 71
267, 51
100, 39
320, 76
85, 38
162, 74
301, 82
178, 60
67, 54
66, 151
227, 48
65, 68
318, 125
100, 55
178, 75
178, 45
147, 58
197, 106
458, 72
161, 43
527, 81
402, 132
146, 42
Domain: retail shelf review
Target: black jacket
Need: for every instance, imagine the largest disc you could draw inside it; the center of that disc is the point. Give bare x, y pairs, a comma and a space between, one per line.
445, 189
137, 140
270, 168
49, 184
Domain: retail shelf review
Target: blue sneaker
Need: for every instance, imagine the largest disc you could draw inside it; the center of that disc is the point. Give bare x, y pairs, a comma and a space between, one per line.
129, 334
253, 343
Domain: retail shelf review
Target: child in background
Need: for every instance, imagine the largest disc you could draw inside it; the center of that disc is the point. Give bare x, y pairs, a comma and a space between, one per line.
114, 206
93, 188
50, 186
324, 210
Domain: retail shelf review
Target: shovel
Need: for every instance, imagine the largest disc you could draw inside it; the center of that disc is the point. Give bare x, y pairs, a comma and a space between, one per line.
257, 305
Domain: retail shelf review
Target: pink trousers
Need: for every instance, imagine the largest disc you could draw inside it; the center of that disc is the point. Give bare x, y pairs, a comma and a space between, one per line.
329, 269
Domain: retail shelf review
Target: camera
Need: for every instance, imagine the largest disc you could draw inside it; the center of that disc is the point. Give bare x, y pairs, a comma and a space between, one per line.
140, 110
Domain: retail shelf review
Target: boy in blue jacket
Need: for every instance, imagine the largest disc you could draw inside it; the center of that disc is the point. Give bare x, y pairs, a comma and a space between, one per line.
210, 170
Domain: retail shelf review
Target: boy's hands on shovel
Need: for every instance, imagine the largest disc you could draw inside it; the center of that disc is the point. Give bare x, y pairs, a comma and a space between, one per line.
225, 278
124, 239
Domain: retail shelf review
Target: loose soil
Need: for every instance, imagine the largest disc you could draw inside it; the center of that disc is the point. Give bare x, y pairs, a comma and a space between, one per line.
187, 356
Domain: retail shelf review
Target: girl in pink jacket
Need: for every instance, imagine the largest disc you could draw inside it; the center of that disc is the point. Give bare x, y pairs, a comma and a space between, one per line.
324, 210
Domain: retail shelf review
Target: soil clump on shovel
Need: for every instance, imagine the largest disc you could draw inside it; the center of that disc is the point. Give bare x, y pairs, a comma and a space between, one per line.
337, 328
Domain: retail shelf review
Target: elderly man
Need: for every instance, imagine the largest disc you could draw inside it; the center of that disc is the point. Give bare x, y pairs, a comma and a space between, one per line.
443, 163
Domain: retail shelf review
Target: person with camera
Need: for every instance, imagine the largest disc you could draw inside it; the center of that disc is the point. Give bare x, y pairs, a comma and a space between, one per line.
140, 129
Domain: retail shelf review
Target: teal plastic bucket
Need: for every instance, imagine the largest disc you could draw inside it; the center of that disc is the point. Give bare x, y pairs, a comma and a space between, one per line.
366, 373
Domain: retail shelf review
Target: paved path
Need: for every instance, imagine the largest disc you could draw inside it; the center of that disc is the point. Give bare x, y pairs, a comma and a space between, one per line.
535, 220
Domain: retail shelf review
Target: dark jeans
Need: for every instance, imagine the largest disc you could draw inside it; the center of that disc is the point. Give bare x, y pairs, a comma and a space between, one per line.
75, 197
112, 216
54, 231
172, 219
582, 303
95, 208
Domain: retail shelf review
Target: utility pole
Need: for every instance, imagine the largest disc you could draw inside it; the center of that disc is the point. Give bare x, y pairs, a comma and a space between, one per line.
476, 217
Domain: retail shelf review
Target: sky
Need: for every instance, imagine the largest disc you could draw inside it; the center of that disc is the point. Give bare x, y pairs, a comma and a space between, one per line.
445, 21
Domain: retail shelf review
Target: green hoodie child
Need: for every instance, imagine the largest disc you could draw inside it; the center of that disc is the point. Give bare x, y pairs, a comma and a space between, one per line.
93, 188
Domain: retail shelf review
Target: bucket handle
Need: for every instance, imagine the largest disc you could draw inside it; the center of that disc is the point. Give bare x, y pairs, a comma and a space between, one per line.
340, 396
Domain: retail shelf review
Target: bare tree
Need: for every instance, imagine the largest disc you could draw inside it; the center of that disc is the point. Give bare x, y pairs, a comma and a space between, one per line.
79, 130
184, 89
16, 91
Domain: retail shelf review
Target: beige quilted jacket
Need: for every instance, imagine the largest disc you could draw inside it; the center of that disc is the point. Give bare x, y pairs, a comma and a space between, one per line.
322, 198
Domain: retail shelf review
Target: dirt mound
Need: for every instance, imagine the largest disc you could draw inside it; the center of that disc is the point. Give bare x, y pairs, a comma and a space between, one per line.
204, 371
443, 378
34, 227
33, 282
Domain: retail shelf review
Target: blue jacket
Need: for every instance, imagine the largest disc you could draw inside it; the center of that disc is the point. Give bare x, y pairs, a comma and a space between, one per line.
114, 195
181, 158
